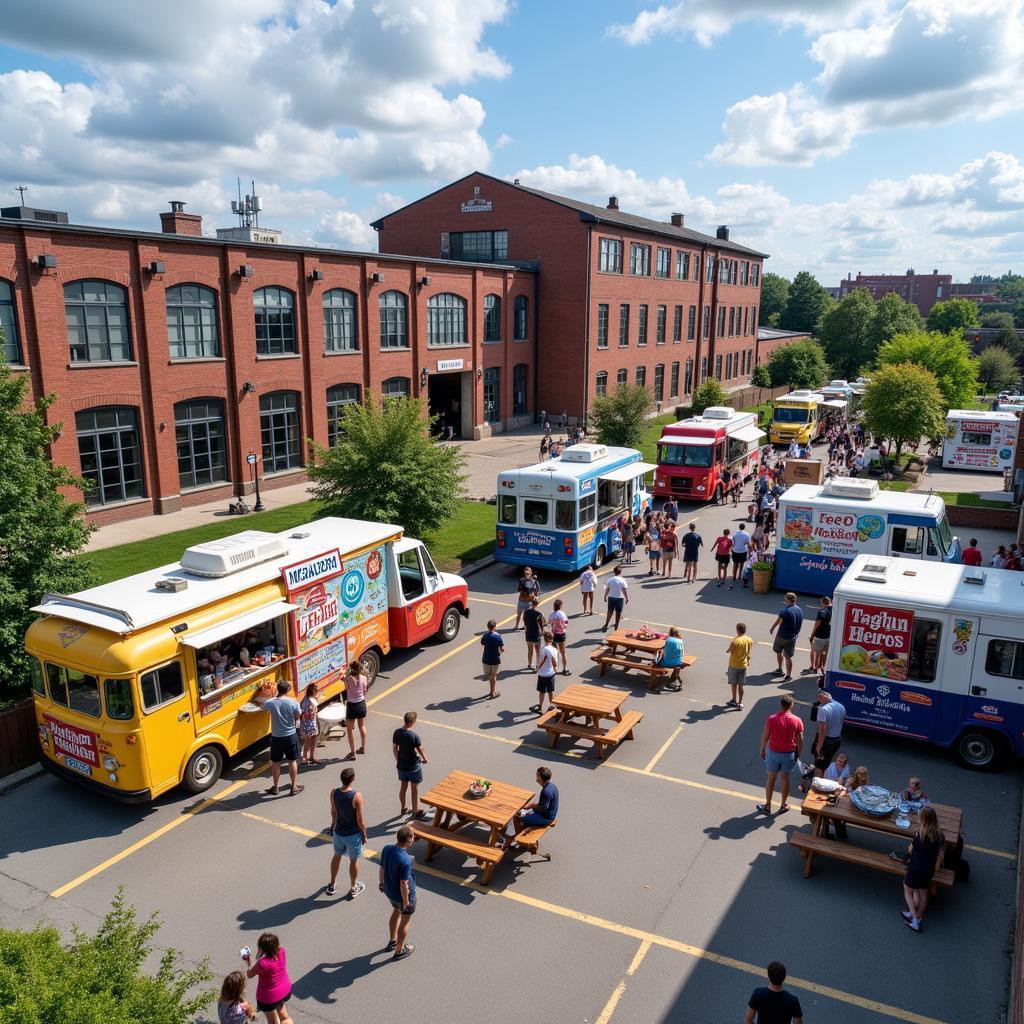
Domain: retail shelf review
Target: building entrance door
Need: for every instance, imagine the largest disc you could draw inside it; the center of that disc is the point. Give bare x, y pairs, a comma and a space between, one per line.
444, 399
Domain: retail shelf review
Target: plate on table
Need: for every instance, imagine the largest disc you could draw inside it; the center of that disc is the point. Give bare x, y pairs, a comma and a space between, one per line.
874, 800
825, 786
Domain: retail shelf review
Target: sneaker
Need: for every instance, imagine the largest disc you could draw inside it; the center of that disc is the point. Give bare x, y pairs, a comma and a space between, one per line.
778, 672
331, 889
906, 914
787, 678
407, 950
730, 703
535, 708
356, 890
913, 924
390, 947
739, 706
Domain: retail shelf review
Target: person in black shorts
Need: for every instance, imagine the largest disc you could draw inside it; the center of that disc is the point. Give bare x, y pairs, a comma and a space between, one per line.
692, 542
533, 623
773, 1004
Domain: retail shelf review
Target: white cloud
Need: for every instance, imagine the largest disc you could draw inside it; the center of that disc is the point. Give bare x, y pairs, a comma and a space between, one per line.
502, 141
346, 230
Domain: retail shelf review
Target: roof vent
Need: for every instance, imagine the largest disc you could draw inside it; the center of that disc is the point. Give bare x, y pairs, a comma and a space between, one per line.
585, 453
873, 572
223, 557
718, 412
722, 233
976, 577
613, 202
172, 584
851, 487
677, 220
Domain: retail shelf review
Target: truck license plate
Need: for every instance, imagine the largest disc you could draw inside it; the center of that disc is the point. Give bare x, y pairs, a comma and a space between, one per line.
79, 766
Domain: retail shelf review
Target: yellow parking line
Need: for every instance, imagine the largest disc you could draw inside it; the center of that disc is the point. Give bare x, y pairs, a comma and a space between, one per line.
644, 937
992, 853
704, 632
486, 600
661, 750
613, 999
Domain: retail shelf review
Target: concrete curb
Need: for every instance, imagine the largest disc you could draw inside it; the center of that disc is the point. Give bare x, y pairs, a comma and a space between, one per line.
19, 778
481, 563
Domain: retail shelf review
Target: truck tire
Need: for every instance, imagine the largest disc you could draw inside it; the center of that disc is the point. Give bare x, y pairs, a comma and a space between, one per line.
601, 557
370, 660
203, 769
979, 750
450, 622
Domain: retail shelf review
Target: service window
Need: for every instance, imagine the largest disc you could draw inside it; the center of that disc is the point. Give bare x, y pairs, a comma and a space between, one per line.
924, 650
161, 686
35, 671
231, 659
73, 689
565, 515
411, 575
978, 437
535, 512
117, 695
907, 540
1005, 658
507, 508
719, 452
588, 510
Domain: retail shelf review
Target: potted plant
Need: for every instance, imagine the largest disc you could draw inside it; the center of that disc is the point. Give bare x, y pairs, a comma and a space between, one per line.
762, 573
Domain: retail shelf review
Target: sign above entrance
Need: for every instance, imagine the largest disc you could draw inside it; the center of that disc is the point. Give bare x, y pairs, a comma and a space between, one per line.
450, 364
476, 204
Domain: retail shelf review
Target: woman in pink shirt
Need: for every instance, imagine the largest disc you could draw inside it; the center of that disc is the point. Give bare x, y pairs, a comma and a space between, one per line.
273, 986
356, 685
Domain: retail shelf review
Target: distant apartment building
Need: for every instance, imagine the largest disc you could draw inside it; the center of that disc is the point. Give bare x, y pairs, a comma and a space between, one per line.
983, 294
923, 290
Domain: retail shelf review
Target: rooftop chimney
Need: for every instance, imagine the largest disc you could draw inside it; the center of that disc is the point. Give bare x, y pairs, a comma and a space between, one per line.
935, 271
613, 202
722, 233
516, 182
677, 220
178, 222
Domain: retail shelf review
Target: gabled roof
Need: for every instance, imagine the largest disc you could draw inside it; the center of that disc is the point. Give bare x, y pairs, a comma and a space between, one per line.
601, 215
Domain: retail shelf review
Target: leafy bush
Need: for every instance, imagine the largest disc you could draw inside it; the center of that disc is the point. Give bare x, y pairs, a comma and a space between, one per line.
621, 417
707, 394
800, 364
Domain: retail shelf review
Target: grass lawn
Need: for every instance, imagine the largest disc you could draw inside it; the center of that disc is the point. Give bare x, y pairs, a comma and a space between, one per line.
649, 444
971, 500
894, 485
764, 412
469, 536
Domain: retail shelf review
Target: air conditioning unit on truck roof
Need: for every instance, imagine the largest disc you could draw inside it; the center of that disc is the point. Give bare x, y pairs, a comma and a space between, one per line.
851, 487
585, 453
718, 412
223, 557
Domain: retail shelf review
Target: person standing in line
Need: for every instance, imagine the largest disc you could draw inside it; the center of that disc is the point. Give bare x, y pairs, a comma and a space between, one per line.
788, 623
285, 715
669, 543
528, 588
308, 728
409, 758
740, 550
588, 581
398, 883
348, 832
654, 547
533, 623
821, 634
831, 719
768, 506
559, 623
273, 986
922, 861
723, 554
773, 1004
493, 646
692, 543
628, 541
547, 669
616, 592
782, 743
739, 661
670, 509
971, 553
672, 657
356, 685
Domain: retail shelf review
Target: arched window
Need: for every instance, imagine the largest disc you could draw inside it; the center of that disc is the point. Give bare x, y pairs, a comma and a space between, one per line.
395, 387
446, 320
9, 325
492, 318
275, 321
340, 326
393, 326
602, 383
199, 432
279, 431
520, 311
337, 398
97, 320
110, 454
192, 321
520, 383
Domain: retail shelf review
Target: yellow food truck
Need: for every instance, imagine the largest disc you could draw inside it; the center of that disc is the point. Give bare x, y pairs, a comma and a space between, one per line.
158, 678
798, 416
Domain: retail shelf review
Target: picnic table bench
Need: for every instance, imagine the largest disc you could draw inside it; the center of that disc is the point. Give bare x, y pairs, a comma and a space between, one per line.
631, 653
593, 704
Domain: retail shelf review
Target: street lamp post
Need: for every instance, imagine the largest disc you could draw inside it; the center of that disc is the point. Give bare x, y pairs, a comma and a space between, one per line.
254, 476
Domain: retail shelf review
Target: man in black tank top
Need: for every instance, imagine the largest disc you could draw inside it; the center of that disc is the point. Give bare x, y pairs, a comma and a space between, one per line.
348, 831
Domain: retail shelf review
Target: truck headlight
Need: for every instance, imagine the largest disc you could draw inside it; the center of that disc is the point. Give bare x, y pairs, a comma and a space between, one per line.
701, 487
110, 763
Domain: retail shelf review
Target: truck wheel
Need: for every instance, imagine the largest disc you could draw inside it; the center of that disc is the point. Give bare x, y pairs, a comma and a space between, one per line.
979, 749
370, 660
203, 769
601, 555
450, 623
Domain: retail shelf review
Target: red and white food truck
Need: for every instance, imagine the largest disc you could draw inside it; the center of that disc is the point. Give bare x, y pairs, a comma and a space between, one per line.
697, 456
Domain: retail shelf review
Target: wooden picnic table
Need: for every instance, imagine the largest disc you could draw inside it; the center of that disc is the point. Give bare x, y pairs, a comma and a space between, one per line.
594, 704
819, 810
630, 652
455, 811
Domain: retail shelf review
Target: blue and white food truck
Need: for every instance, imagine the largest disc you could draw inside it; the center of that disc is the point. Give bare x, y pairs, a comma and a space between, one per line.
933, 652
821, 529
563, 513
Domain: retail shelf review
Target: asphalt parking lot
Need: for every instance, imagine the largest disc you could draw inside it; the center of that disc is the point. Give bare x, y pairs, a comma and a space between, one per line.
665, 896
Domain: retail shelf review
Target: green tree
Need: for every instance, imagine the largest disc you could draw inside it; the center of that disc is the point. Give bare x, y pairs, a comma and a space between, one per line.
893, 315
98, 979
774, 293
903, 403
621, 417
806, 304
1010, 287
800, 364
386, 467
1018, 315
761, 378
1007, 337
707, 394
947, 356
954, 315
40, 530
997, 369
846, 334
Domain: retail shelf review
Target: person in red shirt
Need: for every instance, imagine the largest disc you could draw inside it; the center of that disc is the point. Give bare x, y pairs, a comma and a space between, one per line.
972, 555
723, 551
782, 743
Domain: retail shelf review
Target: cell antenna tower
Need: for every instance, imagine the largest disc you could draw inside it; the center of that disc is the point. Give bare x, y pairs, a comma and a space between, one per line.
247, 210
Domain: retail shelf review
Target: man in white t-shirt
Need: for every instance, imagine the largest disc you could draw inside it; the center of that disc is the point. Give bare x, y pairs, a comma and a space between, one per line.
794, 449
547, 669
616, 592
740, 550
588, 580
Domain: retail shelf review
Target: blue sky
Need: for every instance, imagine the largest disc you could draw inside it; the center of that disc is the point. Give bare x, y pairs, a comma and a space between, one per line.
838, 136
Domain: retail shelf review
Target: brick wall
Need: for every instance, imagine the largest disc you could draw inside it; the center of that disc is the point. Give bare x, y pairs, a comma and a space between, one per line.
984, 518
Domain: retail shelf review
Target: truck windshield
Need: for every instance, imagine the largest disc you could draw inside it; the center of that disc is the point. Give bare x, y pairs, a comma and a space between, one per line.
788, 414
945, 536
693, 455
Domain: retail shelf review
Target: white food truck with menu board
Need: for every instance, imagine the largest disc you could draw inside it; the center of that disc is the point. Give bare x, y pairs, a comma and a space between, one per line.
985, 441
931, 651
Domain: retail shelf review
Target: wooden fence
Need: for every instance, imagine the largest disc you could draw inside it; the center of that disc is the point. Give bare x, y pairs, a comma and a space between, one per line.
19, 738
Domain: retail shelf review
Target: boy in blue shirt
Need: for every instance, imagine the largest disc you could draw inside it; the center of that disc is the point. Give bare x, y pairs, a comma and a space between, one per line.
493, 645
672, 657
540, 812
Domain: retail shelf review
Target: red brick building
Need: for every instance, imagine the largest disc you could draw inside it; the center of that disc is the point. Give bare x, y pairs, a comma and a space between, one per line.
923, 290
619, 297
173, 356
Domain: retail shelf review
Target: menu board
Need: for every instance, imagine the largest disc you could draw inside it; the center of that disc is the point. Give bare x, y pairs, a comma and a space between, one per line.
827, 531
876, 641
979, 444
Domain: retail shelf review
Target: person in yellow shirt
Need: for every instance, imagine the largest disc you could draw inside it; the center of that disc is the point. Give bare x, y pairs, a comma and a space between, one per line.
739, 658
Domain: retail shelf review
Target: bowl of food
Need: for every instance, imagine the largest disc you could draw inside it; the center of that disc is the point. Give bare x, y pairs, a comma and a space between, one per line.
874, 800
479, 788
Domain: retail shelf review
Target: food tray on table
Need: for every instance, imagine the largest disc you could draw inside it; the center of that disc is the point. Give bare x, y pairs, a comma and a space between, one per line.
826, 786
479, 788
874, 800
